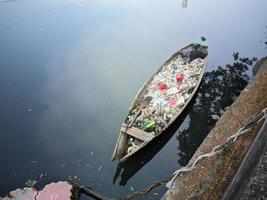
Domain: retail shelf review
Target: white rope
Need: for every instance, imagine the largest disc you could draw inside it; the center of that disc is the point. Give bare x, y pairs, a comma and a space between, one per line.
217, 149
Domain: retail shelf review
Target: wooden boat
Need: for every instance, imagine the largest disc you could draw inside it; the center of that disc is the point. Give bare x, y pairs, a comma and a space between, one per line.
160, 102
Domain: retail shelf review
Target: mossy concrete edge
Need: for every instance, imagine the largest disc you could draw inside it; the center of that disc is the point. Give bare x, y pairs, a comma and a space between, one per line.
210, 178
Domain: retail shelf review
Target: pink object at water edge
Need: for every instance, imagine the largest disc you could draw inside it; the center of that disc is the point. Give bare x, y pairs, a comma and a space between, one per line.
53, 191
21, 194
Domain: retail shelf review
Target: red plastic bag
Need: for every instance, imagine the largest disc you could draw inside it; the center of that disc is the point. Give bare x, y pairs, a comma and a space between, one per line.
163, 86
180, 77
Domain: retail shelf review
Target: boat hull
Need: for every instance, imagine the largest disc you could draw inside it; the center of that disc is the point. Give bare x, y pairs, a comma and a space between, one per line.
120, 151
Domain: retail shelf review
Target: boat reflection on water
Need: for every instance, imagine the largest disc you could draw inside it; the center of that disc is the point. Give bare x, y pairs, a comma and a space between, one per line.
218, 90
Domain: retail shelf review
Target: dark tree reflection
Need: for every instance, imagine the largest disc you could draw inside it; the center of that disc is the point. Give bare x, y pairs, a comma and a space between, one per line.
218, 90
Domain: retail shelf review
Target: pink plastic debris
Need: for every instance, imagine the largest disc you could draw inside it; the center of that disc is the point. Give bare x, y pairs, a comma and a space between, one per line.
172, 101
163, 86
22, 194
163, 92
55, 191
180, 77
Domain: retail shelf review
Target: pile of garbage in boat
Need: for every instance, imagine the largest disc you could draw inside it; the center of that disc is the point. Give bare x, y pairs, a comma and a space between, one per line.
167, 92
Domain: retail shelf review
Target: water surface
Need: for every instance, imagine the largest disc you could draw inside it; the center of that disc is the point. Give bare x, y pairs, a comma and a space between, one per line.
70, 69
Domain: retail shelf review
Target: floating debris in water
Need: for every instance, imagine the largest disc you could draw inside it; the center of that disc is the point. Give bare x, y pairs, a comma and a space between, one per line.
99, 168
30, 183
78, 162
41, 175
132, 188
63, 164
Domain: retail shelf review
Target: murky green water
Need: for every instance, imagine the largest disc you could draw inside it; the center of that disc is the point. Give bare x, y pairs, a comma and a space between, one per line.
70, 69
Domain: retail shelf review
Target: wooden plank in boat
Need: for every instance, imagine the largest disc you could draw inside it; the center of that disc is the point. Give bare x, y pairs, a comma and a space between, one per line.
140, 134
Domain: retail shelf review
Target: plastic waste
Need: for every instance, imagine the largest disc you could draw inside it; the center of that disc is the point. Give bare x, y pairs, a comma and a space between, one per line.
172, 91
172, 101
30, 182
163, 86
149, 124
180, 77
169, 90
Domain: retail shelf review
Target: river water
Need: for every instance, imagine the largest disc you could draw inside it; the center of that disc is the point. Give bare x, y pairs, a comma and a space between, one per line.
70, 69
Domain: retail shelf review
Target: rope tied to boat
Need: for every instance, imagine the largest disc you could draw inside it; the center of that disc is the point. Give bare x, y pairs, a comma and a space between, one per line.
261, 118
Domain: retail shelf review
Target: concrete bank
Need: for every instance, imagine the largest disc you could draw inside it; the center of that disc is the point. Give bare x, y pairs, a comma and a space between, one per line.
210, 179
